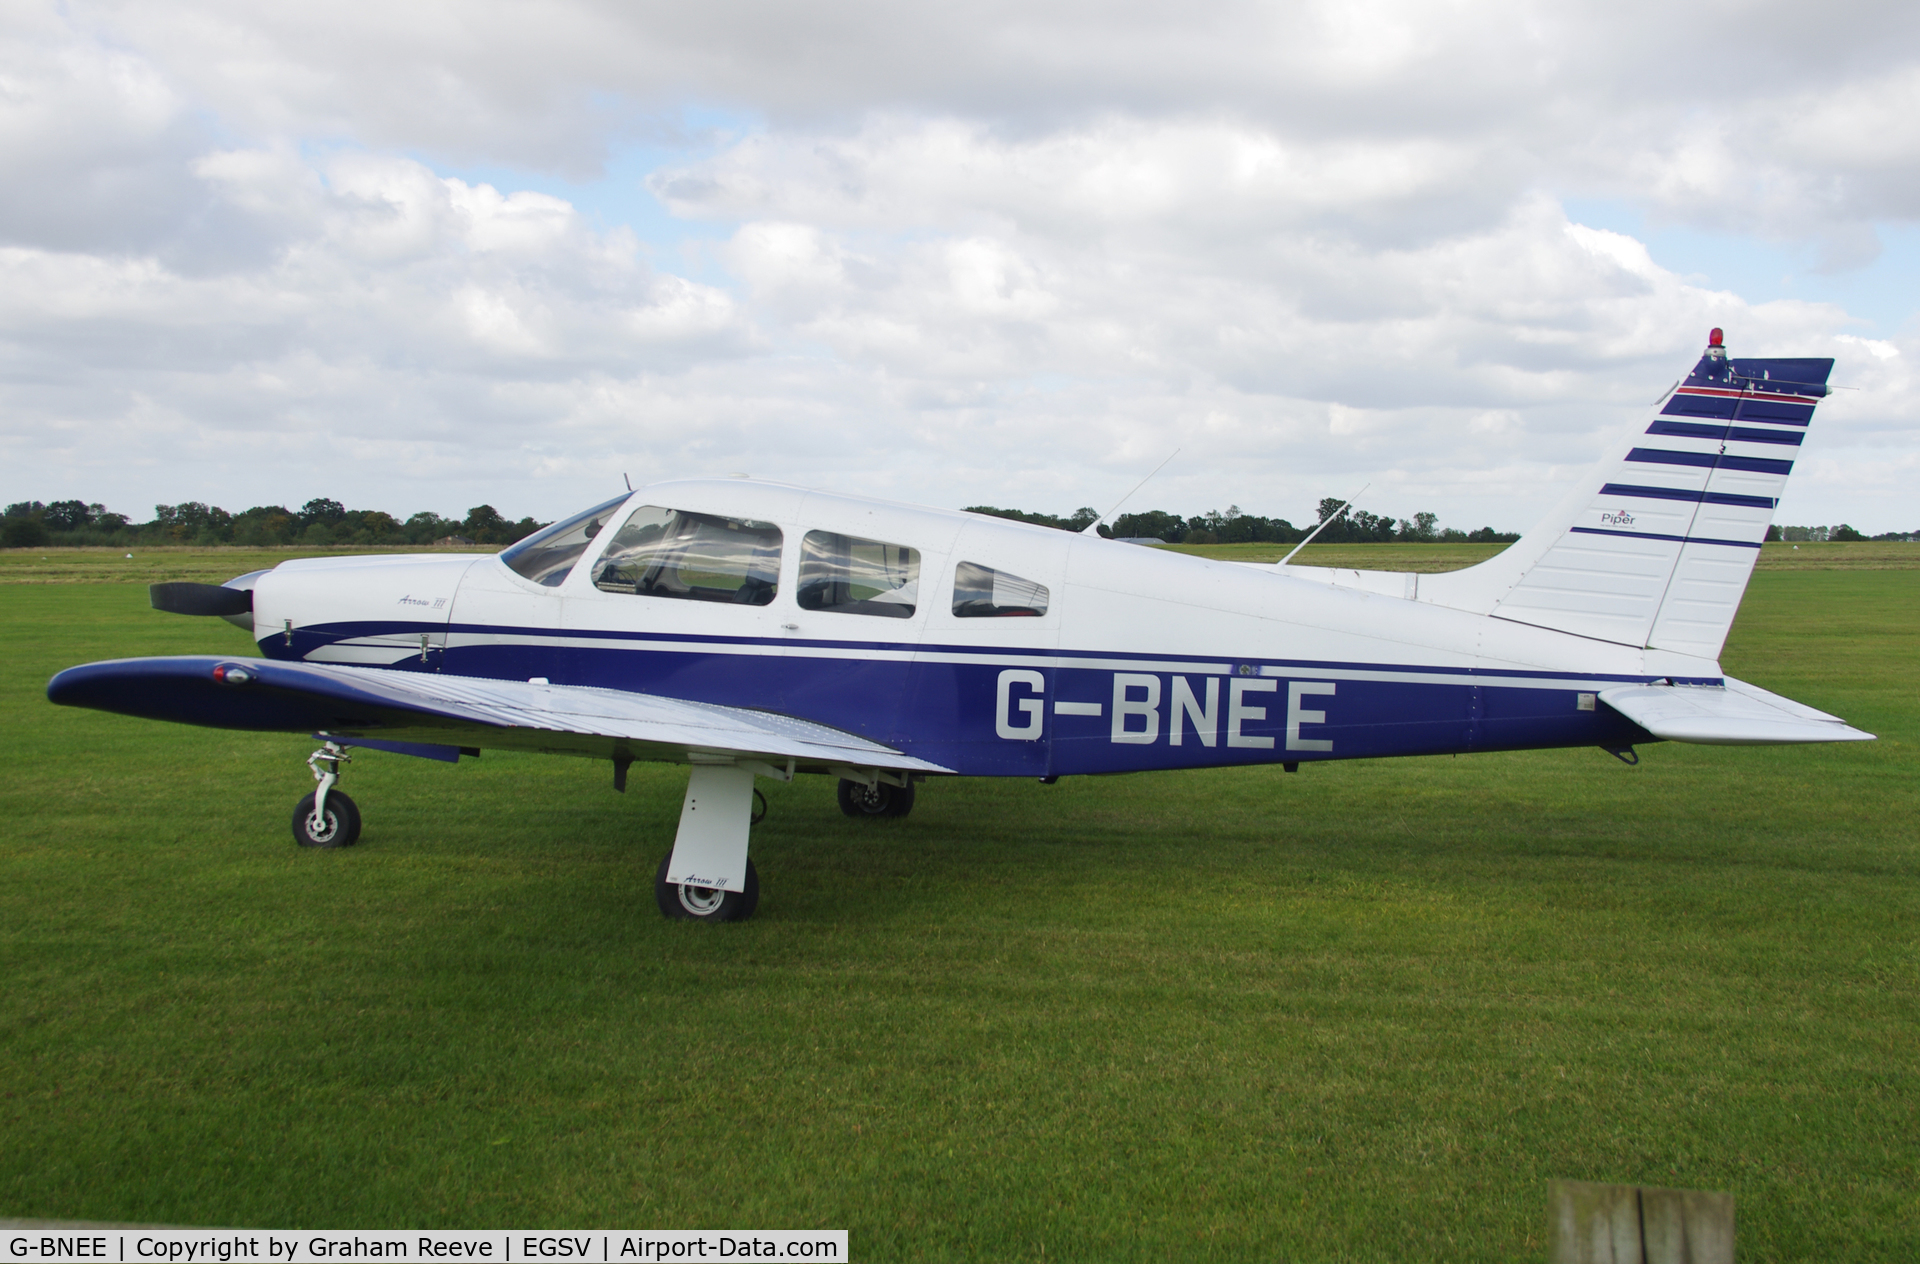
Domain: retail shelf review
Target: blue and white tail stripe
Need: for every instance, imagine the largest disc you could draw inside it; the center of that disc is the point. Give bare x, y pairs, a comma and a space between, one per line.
1659, 555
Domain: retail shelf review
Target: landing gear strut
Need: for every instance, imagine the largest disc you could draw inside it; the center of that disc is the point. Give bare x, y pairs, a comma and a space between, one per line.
326, 818
707, 876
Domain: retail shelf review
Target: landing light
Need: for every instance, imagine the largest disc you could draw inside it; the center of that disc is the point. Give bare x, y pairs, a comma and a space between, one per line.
231, 674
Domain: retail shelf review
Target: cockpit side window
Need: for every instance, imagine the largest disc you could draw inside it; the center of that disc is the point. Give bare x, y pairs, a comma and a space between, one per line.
981, 592
547, 556
849, 575
662, 552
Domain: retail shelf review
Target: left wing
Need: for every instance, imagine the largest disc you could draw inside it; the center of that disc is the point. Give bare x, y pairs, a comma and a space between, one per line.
1739, 714
450, 712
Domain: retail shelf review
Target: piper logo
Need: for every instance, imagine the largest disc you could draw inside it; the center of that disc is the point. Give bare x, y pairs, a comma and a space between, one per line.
1618, 518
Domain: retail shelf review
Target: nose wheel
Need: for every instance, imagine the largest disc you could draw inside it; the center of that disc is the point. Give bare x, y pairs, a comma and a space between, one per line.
326, 818
336, 825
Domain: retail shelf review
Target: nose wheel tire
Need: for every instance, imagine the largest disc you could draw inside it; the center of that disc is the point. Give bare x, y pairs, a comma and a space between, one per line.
341, 828
705, 904
879, 799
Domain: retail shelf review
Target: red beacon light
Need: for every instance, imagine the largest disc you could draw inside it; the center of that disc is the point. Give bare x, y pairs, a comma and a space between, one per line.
1716, 345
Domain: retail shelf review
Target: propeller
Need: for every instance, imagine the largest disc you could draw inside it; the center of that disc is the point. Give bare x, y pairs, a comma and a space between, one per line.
202, 599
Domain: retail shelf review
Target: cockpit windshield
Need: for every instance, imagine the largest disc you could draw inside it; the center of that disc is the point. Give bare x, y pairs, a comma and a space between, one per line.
547, 556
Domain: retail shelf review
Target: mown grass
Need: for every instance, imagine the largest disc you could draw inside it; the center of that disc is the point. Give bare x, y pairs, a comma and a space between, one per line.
1363, 1012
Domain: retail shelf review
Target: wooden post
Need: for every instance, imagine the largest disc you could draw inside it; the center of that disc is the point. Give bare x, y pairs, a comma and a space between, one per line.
1589, 1223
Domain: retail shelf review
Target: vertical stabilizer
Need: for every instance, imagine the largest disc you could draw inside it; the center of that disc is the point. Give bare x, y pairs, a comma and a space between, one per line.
1654, 546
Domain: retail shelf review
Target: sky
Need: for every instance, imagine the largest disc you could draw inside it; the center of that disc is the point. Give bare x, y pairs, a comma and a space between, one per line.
432, 255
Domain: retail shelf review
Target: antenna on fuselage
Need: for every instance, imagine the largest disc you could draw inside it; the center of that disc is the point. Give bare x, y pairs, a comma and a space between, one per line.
1324, 523
627, 481
1093, 528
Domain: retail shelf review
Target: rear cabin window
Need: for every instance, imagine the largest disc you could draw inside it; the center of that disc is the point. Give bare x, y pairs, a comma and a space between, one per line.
981, 592
692, 556
849, 575
547, 556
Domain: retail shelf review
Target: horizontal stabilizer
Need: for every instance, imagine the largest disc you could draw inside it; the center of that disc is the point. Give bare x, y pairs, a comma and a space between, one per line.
1739, 714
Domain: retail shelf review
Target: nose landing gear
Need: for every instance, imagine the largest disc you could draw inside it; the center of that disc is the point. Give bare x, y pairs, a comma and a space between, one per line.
326, 818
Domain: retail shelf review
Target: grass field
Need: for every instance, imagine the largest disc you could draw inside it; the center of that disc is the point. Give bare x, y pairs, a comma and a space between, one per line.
1363, 1012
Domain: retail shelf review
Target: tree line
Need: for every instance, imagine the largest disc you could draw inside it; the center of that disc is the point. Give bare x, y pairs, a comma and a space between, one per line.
1232, 526
1839, 534
323, 522
320, 522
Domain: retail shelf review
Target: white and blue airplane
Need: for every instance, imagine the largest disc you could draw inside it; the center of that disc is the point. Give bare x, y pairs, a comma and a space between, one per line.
755, 629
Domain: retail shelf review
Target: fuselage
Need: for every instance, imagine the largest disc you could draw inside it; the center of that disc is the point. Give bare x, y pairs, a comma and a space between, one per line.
990, 647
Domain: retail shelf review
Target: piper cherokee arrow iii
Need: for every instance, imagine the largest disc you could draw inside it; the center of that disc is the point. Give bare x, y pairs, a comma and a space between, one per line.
754, 629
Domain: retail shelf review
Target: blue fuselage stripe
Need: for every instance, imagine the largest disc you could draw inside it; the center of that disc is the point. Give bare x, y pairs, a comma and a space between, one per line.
943, 708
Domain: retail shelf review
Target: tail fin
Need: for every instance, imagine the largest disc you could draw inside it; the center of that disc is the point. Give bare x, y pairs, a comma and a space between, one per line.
1654, 546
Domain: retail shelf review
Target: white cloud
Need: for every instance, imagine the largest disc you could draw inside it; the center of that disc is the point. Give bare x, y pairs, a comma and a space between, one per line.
1011, 253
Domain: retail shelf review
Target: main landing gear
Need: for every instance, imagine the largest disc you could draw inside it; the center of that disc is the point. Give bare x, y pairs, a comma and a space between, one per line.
683, 902
326, 818
708, 877
878, 799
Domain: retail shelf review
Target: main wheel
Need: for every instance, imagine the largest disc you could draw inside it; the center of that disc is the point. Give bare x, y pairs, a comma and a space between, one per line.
340, 829
704, 904
879, 799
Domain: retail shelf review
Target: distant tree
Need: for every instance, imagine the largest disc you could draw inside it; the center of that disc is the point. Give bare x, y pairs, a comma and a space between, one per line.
323, 510
1155, 524
1352, 526
22, 531
426, 527
1845, 532
373, 526
1082, 518
1022, 515
1423, 527
69, 515
190, 521
1773, 535
265, 525
484, 525
1233, 526
25, 509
